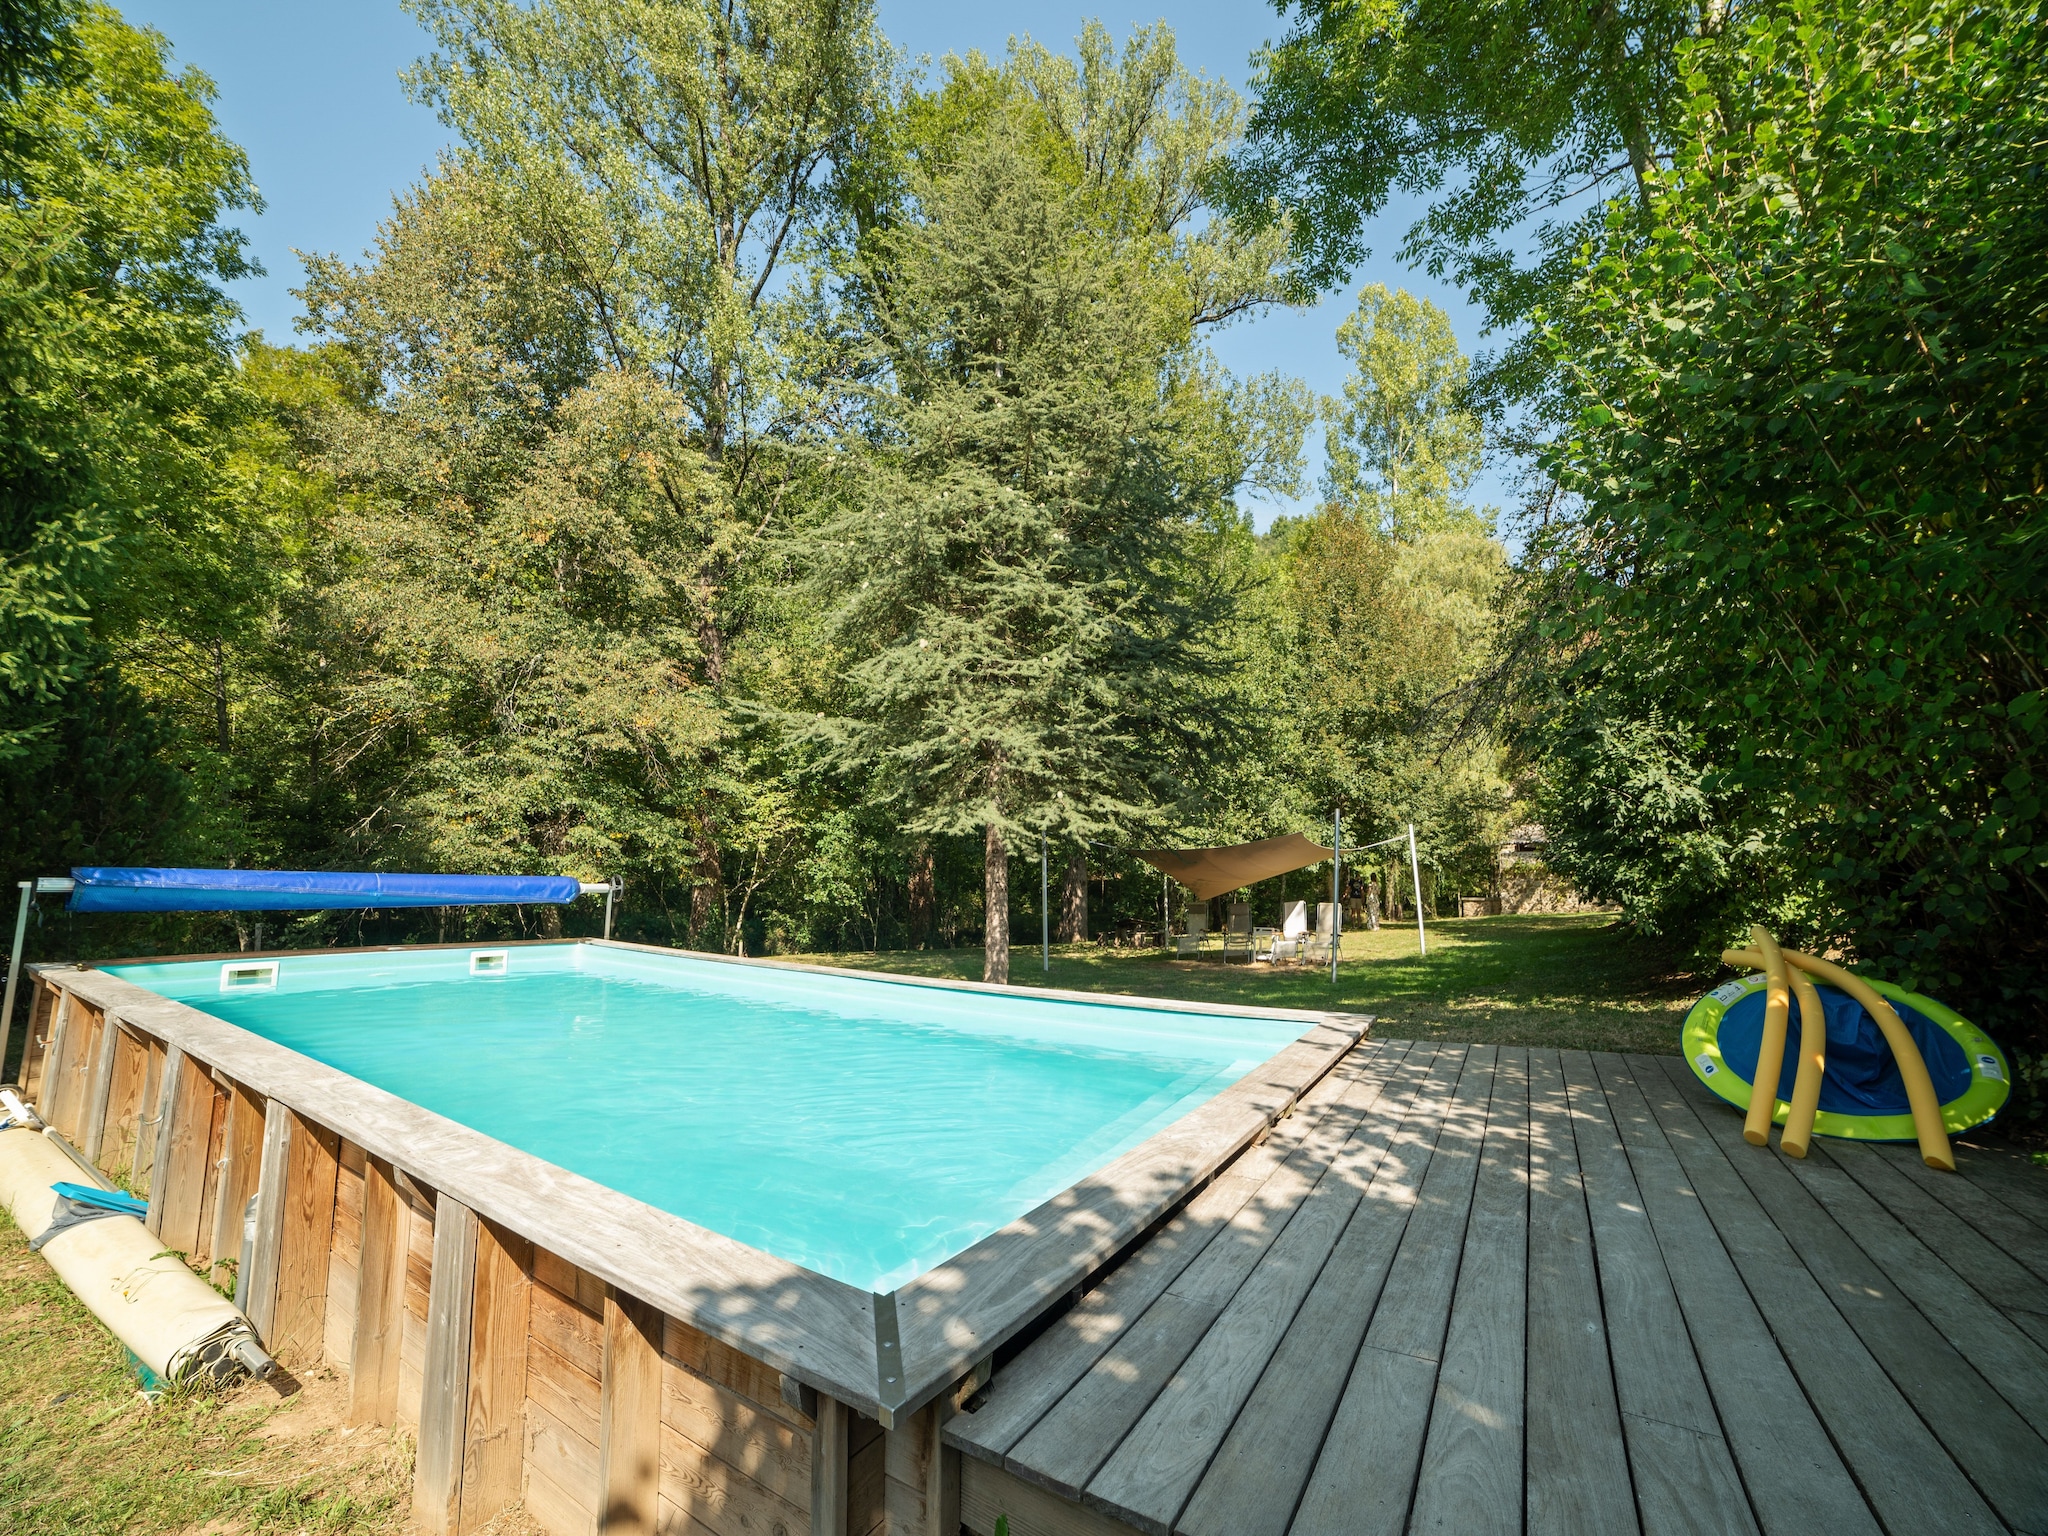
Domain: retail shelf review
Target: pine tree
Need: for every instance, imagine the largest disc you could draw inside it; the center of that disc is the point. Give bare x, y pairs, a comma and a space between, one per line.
1017, 563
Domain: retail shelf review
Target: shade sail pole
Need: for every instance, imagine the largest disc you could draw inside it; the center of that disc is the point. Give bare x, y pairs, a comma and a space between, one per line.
1415, 869
1336, 886
1044, 911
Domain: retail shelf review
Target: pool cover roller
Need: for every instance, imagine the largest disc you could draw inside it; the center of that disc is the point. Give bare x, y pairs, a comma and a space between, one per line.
1873, 1062
176, 1324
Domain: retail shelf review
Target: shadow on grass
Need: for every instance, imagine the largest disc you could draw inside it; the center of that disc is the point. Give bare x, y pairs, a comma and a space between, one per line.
1570, 982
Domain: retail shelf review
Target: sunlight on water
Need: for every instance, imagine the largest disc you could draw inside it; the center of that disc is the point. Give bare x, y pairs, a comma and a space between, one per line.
864, 1128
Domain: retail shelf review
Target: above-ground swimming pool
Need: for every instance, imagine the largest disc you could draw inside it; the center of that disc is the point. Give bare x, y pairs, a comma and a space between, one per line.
648, 1239
865, 1128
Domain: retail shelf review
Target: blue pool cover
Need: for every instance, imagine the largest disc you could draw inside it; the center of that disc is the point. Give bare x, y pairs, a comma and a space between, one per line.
287, 890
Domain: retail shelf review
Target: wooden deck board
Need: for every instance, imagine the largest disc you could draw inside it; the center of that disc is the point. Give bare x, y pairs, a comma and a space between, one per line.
1564, 1296
1900, 1466
1367, 1485
1066, 1351
1081, 1431
1577, 1479
1977, 1428
1471, 1477
1256, 1479
1155, 1469
1684, 1475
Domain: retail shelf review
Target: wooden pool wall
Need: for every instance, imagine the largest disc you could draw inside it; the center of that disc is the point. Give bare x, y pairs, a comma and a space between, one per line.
523, 1376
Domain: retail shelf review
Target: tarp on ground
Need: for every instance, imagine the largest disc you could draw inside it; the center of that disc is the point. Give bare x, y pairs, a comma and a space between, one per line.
1212, 871
280, 890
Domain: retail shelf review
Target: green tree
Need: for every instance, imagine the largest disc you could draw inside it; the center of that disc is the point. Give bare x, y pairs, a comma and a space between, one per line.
1402, 444
1514, 121
117, 352
1809, 465
1015, 568
673, 167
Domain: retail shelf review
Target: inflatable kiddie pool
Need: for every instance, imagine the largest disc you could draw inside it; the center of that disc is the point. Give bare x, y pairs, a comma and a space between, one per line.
1862, 1095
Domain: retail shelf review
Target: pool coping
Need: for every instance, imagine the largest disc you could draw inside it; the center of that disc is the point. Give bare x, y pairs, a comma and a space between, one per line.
886, 1355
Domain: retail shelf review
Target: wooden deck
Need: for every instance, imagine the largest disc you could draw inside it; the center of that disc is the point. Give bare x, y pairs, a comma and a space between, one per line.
1471, 1290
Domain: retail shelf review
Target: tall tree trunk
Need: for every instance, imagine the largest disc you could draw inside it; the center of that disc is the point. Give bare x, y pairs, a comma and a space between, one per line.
923, 897
995, 943
1073, 923
707, 895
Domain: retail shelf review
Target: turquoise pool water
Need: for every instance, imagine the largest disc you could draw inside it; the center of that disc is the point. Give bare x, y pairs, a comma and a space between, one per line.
866, 1129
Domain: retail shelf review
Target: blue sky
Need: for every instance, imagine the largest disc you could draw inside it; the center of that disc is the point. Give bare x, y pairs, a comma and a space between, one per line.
311, 92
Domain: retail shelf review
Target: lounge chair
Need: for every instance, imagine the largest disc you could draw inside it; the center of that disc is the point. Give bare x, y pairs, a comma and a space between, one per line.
1197, 934
1287, 943
1237, 938
1319, 945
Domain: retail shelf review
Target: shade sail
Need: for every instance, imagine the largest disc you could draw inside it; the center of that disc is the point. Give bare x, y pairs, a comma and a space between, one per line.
279, 890
1212, 871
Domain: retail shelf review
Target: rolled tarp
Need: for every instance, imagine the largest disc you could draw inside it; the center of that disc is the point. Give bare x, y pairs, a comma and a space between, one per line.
281, 890
1212, 871
174, 1322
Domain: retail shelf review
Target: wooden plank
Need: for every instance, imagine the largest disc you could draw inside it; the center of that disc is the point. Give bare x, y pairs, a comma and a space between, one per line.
2012, 1232
865, 1515
2006, 1460
963, 1310
714, 1496
1684, 1473
1795, 1479
492, 1448
560, 1484
1577, 1478
178, 1188
54, 1077
1471, 1478
98, 1097
1073, 1439
830, 1457
312, 1161
380, 1301
438, 1461
1026, 1388
1998, 1277
695, 1351
2013, 1363
1377, 1432
1153, 1472
417, 1222
571, 1394
1256, 1478
2009, 1176
571, 1332
150, 1118
125, 1105
210, 1173
42, 1018
241, 1165
760, 1445
631, 1455
915, 1498
988, 1494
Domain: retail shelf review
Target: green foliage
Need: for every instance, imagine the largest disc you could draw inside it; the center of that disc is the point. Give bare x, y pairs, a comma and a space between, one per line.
1808, 447
1402, 444
1513, 120
1016, 570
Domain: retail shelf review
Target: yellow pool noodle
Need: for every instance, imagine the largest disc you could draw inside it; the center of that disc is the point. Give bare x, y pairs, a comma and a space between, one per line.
1813, 1064
1770, 1056
1920, 1095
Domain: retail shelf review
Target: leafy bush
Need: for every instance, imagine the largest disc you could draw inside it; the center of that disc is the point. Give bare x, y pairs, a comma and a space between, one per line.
1809, 454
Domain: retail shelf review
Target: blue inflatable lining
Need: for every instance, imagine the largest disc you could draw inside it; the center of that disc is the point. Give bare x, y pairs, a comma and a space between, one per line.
275, 890
1862, 1078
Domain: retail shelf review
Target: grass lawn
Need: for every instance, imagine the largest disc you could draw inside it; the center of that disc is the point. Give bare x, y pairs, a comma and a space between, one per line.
1568, 981
82, 1451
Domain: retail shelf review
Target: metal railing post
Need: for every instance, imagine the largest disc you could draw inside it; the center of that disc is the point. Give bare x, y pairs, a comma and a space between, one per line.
28, 894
